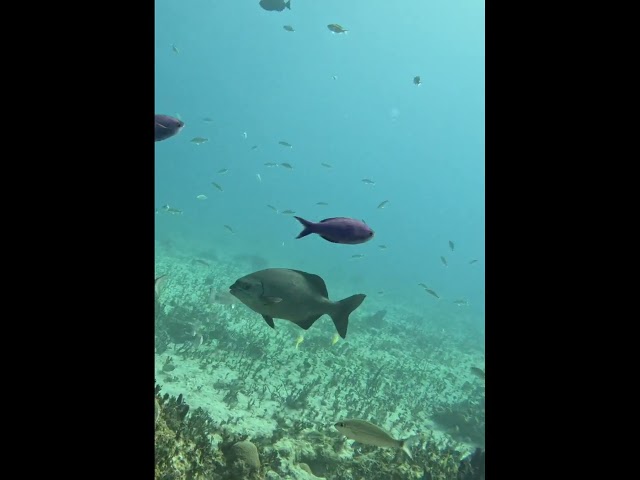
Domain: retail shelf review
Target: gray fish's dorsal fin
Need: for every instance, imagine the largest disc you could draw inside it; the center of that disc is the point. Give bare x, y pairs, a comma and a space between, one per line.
269, 321
316, 281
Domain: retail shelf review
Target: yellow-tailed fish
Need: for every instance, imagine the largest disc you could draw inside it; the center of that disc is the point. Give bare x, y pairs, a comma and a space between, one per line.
299, 341
335, 339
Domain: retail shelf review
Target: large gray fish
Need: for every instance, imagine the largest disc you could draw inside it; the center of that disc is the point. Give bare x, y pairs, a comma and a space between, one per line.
167, 127
275, 5
369, 434
293, 295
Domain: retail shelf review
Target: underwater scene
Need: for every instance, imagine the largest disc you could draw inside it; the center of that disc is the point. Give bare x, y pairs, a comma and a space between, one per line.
319, 240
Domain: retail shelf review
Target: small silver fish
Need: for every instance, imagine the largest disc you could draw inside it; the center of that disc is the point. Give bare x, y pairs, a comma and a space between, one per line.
174, 48
217, 186
286, 165
326, 165
451, 245
285, 144
229, 228
444, 261
322, 203
199, 140
383, 204
369, 434
223, 171
368, 182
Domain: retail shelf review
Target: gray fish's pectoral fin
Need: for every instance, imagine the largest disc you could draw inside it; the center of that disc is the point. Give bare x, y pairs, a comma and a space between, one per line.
271, 300
307, 322
269, 321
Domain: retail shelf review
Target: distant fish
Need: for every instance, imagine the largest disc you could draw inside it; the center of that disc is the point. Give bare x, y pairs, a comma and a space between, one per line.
451, 245
369, 434
270, 164
368, 182
293, 295
201, 197
259, 177
416, 80
199, 140
478, 372
322, 203
174, 48
207, 120
299, 340
444, 261
275, 5
288, 212
335, 339
229, 228
326, 165
472, 262
348, 231
461, 302
431, 292
358, 255
171, 210
254, 147
167, 127
223, 171
286, 165
288, 28
423, 285
217, 186
383, 247
335, 28
160, 283
222, 298
383, 204
285, 144
273, 208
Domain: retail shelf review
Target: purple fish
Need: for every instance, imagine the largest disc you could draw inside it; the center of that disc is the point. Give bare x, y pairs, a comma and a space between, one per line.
167, 127
338, 230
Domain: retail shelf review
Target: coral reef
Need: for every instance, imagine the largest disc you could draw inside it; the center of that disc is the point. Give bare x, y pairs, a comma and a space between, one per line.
248, 384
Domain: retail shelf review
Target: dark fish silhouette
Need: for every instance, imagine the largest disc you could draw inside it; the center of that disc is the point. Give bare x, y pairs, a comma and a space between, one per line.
275, 5
300, 297
348, 231
167, 127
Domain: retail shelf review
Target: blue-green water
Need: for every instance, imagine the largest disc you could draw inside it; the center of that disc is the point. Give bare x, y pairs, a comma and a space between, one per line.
423, 146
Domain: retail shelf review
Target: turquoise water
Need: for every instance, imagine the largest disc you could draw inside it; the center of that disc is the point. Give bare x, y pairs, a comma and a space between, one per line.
410, 361
423, 146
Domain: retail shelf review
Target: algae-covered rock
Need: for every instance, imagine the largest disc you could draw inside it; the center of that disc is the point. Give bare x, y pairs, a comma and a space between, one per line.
246, 452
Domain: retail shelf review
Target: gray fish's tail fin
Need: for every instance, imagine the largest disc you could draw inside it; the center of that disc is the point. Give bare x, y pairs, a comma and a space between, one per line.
342, 310
288, 4
408, 443
308, 227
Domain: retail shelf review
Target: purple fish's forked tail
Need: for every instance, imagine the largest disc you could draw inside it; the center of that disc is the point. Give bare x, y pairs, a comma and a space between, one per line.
308, 227
288, 4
